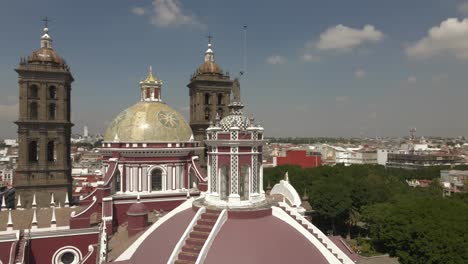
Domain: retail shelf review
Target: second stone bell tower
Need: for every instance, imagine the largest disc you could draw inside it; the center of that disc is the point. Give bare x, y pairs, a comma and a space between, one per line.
44, 126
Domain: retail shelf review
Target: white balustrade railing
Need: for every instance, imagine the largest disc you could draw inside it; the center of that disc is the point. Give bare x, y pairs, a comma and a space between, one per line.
318, 233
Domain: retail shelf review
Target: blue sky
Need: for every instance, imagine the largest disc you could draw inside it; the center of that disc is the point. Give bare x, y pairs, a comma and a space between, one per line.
314, 68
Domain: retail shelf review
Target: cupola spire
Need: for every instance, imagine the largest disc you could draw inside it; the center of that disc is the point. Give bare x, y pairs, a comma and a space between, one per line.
151, 87
209, 54
46, 40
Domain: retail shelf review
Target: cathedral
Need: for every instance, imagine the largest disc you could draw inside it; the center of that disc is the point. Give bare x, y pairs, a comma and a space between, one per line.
171, 191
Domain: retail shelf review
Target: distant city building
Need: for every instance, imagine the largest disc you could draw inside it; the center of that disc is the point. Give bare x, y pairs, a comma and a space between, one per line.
454, 181
6, 176
301, 158
422, 160
11, 142
419, 183
85, 131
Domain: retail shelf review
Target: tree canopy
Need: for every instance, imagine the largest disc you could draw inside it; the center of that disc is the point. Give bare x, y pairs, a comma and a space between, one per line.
417, 225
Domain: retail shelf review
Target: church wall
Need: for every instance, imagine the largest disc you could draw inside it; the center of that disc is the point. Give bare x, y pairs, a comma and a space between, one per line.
245, 160
42, 250
120, 209
5, 248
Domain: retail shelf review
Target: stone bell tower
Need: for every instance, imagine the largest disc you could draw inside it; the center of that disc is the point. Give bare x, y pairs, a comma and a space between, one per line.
44, 126
210, 92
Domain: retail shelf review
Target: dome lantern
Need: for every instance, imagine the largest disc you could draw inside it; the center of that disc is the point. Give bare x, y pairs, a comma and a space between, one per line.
149, 120
150, 87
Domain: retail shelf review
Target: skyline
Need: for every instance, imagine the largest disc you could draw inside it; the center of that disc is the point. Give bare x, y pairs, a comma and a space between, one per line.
365, 68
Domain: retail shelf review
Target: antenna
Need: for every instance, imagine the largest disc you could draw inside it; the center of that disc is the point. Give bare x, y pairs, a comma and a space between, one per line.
244, 51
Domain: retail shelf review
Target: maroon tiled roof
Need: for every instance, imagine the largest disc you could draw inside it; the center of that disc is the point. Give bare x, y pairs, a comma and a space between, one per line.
158, 246
261, 240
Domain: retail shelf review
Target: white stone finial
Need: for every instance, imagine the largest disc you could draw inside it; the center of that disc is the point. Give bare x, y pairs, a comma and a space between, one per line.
46, 40
34, 204
3, 202
10, 221
286, 176
188, 194
34, 220
67, 203
53, 221
52, 200
209, 54
18, 205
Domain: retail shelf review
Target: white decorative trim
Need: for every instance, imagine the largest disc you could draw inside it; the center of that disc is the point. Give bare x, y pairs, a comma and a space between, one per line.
73, 213
222, 218
139, 179
59, 253
59, 232
185, 235
127, 254
88, 255
311, 230
163, 169
287, 190
181, 198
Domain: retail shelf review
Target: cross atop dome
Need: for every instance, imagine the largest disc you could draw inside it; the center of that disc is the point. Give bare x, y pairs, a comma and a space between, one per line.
209, 54
46, 40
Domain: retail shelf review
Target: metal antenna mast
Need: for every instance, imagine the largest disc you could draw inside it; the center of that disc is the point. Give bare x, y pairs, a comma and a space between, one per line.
244, 51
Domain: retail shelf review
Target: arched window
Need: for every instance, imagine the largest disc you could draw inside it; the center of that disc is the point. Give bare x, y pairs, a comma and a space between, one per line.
52, 92
220, 99
51, 154
116, 183
224, 182
33, 112
52, 111
207, 113
244, 182
220, 113
33, 151
33, 91
148, 94
156, 180
207, 98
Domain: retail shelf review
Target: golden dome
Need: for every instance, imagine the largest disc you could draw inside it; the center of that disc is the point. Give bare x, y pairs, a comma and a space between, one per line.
149, 122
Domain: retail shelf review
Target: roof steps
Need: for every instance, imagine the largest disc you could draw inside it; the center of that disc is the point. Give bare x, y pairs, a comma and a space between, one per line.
197, 237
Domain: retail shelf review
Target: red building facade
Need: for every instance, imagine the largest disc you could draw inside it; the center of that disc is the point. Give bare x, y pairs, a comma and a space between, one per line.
301, 158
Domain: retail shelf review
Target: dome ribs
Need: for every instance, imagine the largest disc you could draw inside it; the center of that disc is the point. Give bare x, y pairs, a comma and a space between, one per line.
197, 238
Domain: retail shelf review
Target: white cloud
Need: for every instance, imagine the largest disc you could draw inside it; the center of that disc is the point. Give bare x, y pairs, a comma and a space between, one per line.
360, 73
412, 79
310, 57
170, 13
139, 11
343, 38
275, 60
463, 8
450, 38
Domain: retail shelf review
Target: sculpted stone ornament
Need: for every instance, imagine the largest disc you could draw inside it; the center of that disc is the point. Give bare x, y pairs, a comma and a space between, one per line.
168, 119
